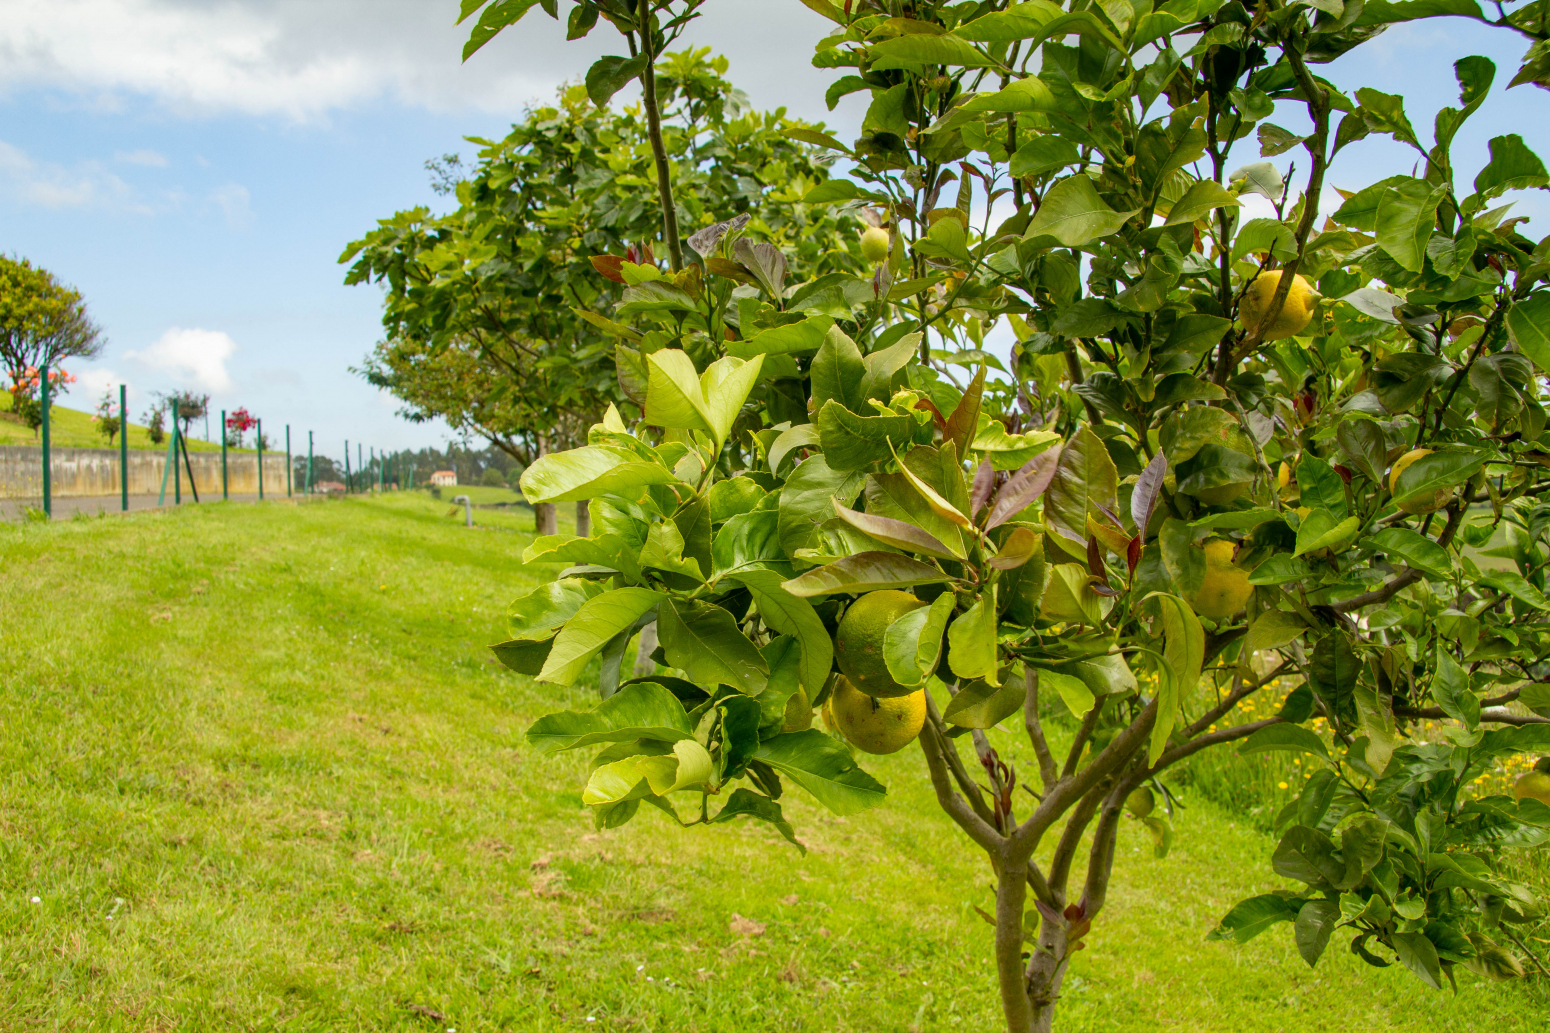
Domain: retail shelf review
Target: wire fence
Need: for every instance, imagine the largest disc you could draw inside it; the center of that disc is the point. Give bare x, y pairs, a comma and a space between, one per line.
42, 482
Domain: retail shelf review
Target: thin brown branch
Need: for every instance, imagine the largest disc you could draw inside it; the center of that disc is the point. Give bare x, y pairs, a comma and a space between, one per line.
977, 828
1071, 837
966, 783
1409, 576
1083, 733
1236, 696
1036, 730
1194, 746
1489, 715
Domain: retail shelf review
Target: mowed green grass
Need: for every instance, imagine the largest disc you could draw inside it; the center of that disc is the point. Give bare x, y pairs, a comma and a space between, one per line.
260, 774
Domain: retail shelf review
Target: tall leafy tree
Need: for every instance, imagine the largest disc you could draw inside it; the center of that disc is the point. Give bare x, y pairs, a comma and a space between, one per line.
495, 312
42, 322
1236, 503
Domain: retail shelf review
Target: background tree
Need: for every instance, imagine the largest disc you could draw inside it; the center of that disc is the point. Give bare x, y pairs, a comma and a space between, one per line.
1249, 462
42, 323
495, 314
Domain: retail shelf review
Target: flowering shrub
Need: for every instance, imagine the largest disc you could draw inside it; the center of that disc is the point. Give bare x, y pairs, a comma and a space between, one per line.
238, 423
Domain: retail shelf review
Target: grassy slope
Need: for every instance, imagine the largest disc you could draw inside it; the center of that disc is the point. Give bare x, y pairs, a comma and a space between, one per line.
275, 752
70, 428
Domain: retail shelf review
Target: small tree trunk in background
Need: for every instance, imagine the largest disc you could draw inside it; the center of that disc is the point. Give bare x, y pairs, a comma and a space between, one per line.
545, 519
583, 519
644, 665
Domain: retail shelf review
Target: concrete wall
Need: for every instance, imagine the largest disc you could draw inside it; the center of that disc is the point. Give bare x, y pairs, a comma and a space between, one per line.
84, 472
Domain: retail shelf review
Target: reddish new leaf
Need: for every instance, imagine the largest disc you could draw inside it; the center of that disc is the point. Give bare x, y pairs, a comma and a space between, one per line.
1143, 499
1024, 487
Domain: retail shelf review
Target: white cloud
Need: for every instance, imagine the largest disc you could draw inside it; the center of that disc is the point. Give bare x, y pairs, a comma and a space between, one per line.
92, 383
232, 199
301, 59
192, 354
51, 185
143, 156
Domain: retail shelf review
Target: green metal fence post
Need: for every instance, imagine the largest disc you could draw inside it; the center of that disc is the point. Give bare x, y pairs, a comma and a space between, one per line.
348, 482
308, 490
259, 427
123, 446
288, 491
224, 492
177, 472
48, 472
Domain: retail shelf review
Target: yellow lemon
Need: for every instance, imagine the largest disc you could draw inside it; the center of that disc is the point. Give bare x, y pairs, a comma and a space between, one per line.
1140, 802
1226, 587
1283, 476
858, 643
1536, 784
1295, 314
877, 725
1441, 497
874, 244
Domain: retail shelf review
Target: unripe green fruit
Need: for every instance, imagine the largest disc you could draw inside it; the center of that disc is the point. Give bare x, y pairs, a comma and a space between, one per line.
874, 244
1140, 802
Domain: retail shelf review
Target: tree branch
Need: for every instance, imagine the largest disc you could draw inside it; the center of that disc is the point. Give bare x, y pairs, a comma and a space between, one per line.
1492, 715
966, 783
977, 828
1409, 575
1083, 733
1036, 730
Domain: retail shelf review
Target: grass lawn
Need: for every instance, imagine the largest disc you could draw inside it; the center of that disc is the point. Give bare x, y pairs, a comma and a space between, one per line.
70, 428
260, 773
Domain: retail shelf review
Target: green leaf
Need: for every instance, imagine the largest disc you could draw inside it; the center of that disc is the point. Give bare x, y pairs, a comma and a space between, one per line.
745, 803
1415, 549
897, 533
746, 539
865, 572
704, 641
912, 645
1289, 737
852, 442
918, 51
1387, 12
1272, 629
664, 550
792, 615
688, 766
1333, 674
837, 371
1419, 955
643, 710
824, 768
1184, 646
1073, 214
495, 18
524, 657
608, 75
1528, 323
971, 640
678, 397
1307, 855
1078, 698
1085, 477
790, 339
1517, 586
1512, 167
1199, 201
1426, 476
1314, 923
597, 621
1320, 530
882, 368
979, 704
808, 498
1251, 917
538, 614
1186, 565
591, 472
1407, 214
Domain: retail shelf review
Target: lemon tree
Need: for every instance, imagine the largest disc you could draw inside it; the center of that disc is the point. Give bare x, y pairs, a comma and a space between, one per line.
1191, 495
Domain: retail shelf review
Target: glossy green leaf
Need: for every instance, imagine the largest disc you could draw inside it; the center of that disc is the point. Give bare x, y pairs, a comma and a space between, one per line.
1204, 197
1288, 737
677, 396
898, 533
1073, 691
792, 615
1423, 478
971, 640
823, 767
1415, 549
689, 766
597, 621
1072, 214
1184, 643
1251, 917
979, 704
1085, 478
644, 710
865, 572
1528, 322
590, 472
546, 608
808, 499
912, 645
704, 641
852, 442
745, 803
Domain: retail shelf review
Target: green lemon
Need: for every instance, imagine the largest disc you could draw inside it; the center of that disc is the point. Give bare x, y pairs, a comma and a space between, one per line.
858, 645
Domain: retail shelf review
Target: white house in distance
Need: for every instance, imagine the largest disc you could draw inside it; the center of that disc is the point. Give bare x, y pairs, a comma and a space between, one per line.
444, 478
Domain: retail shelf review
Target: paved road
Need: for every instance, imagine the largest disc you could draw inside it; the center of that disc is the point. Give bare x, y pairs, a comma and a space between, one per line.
66, 508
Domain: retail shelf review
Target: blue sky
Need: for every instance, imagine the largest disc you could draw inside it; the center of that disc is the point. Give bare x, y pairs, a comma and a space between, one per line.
196, 168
